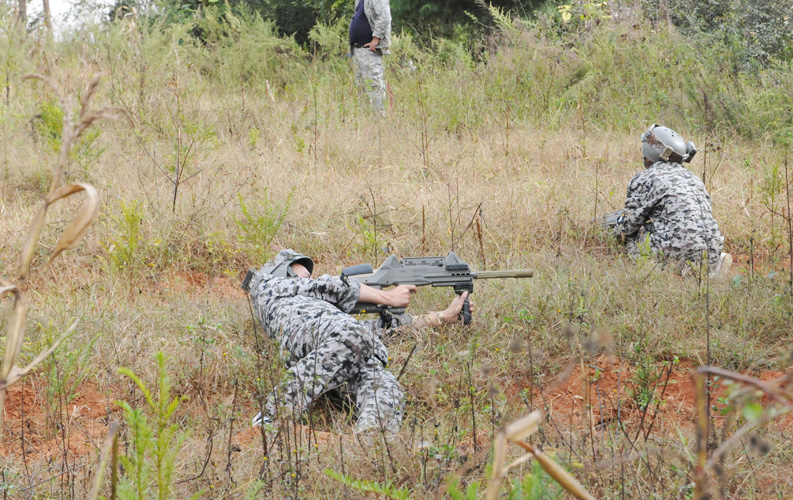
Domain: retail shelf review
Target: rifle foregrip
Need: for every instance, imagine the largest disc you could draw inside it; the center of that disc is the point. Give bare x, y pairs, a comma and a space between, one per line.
465, 314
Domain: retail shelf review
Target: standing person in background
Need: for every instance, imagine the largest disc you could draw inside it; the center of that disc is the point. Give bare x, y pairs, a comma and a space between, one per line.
370, 37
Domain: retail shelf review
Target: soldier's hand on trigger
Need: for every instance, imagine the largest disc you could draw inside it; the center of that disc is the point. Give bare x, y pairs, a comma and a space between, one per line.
399, 296
452, 313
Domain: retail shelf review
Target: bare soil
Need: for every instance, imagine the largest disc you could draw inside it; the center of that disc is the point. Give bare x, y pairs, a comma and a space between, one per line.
590, 398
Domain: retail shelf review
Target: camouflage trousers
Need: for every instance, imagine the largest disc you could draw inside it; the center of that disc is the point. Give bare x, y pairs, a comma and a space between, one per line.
369, 73
346, 354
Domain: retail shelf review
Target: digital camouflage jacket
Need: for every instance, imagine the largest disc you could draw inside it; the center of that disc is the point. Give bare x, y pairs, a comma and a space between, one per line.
324, 347
670, 204
378, 12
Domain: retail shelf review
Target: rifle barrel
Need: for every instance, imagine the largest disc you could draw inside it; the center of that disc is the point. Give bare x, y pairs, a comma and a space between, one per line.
517, 273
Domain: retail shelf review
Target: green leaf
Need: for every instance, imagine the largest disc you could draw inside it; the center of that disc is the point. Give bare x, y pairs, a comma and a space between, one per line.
752, 411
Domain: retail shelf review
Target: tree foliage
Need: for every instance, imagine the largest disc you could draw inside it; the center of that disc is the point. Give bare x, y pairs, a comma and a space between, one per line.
755, 31
758, 30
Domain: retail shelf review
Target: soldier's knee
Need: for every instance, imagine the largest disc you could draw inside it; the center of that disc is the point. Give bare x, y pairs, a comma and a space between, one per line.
359, 341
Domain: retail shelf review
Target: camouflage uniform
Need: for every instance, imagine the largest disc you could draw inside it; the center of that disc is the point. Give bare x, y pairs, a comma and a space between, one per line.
369, 73
324, 347
669, 204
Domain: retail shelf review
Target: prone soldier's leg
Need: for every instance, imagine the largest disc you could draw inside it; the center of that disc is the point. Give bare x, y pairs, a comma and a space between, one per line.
379, 398
334, 356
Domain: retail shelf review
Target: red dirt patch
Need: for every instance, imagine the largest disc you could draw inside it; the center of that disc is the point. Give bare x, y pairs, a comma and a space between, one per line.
605, 391
194, 284
34, 431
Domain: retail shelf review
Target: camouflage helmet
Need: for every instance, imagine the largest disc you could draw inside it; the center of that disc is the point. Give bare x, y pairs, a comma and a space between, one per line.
280, 265
661, 143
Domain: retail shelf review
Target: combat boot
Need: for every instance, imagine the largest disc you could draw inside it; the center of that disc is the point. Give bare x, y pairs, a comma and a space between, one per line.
722, 268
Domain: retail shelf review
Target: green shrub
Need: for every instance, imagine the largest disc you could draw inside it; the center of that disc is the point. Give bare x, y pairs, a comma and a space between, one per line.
259, 227
154, 439
124, 244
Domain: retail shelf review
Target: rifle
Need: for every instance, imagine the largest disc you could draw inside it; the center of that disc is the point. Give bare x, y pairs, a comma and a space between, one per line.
614, 219
450, 271
610, 220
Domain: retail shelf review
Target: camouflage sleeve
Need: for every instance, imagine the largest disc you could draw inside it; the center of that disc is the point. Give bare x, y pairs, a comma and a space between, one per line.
382, 24
331, 289
639, 203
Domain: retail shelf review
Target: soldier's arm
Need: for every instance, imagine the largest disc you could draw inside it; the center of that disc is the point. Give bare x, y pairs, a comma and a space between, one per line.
399, 296
333, 290
448, 316
383, 21
436, 318
345, 294
639, 203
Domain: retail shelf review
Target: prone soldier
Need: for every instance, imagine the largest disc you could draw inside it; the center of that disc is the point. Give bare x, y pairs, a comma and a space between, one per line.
325, 347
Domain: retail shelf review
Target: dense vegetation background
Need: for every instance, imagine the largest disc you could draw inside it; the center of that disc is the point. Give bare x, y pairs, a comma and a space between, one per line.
510, 128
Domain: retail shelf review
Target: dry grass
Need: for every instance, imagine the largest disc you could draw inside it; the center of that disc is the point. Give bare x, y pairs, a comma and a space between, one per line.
534, 208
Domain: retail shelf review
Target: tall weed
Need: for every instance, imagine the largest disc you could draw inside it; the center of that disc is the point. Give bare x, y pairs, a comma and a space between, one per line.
154, 439
124, 244
259, 225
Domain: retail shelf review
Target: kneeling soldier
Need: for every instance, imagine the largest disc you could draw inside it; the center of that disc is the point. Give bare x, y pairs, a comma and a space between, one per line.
668, 210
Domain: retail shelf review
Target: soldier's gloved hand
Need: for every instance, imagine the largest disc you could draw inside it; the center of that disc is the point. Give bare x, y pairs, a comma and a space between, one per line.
452, 313
399, 296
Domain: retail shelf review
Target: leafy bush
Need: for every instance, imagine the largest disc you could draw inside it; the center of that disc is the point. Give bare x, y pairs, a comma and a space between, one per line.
258, 228
761, 30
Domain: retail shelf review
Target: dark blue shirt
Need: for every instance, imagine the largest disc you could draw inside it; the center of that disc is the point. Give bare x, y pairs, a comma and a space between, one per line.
360, 31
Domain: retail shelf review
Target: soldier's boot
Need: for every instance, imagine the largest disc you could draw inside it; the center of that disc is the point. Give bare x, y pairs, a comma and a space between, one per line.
262, 420
723, 266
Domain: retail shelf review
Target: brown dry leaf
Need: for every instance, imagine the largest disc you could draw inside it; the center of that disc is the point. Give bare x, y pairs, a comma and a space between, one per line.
30, 242
519, 461
524, 427
499, 454
109, 450
17, 373
562, 477
15, 336
79, 226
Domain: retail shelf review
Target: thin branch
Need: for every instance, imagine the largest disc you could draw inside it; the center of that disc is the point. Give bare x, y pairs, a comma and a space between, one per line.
755, 382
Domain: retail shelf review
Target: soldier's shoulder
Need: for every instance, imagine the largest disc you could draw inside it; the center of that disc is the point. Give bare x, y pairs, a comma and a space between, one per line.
671, 173
646, 176
683, 176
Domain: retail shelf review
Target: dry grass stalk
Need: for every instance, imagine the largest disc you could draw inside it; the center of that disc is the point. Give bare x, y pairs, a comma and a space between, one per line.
14, 339
9, 372
109, 450
700, 475
516, 432
779, 390
73, 129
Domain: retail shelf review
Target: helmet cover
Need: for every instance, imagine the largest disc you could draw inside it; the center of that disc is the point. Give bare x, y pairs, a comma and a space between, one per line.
279, 266
661, 143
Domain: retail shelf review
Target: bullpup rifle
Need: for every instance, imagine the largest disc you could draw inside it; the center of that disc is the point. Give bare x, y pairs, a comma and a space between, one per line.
450, 271
610, 220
